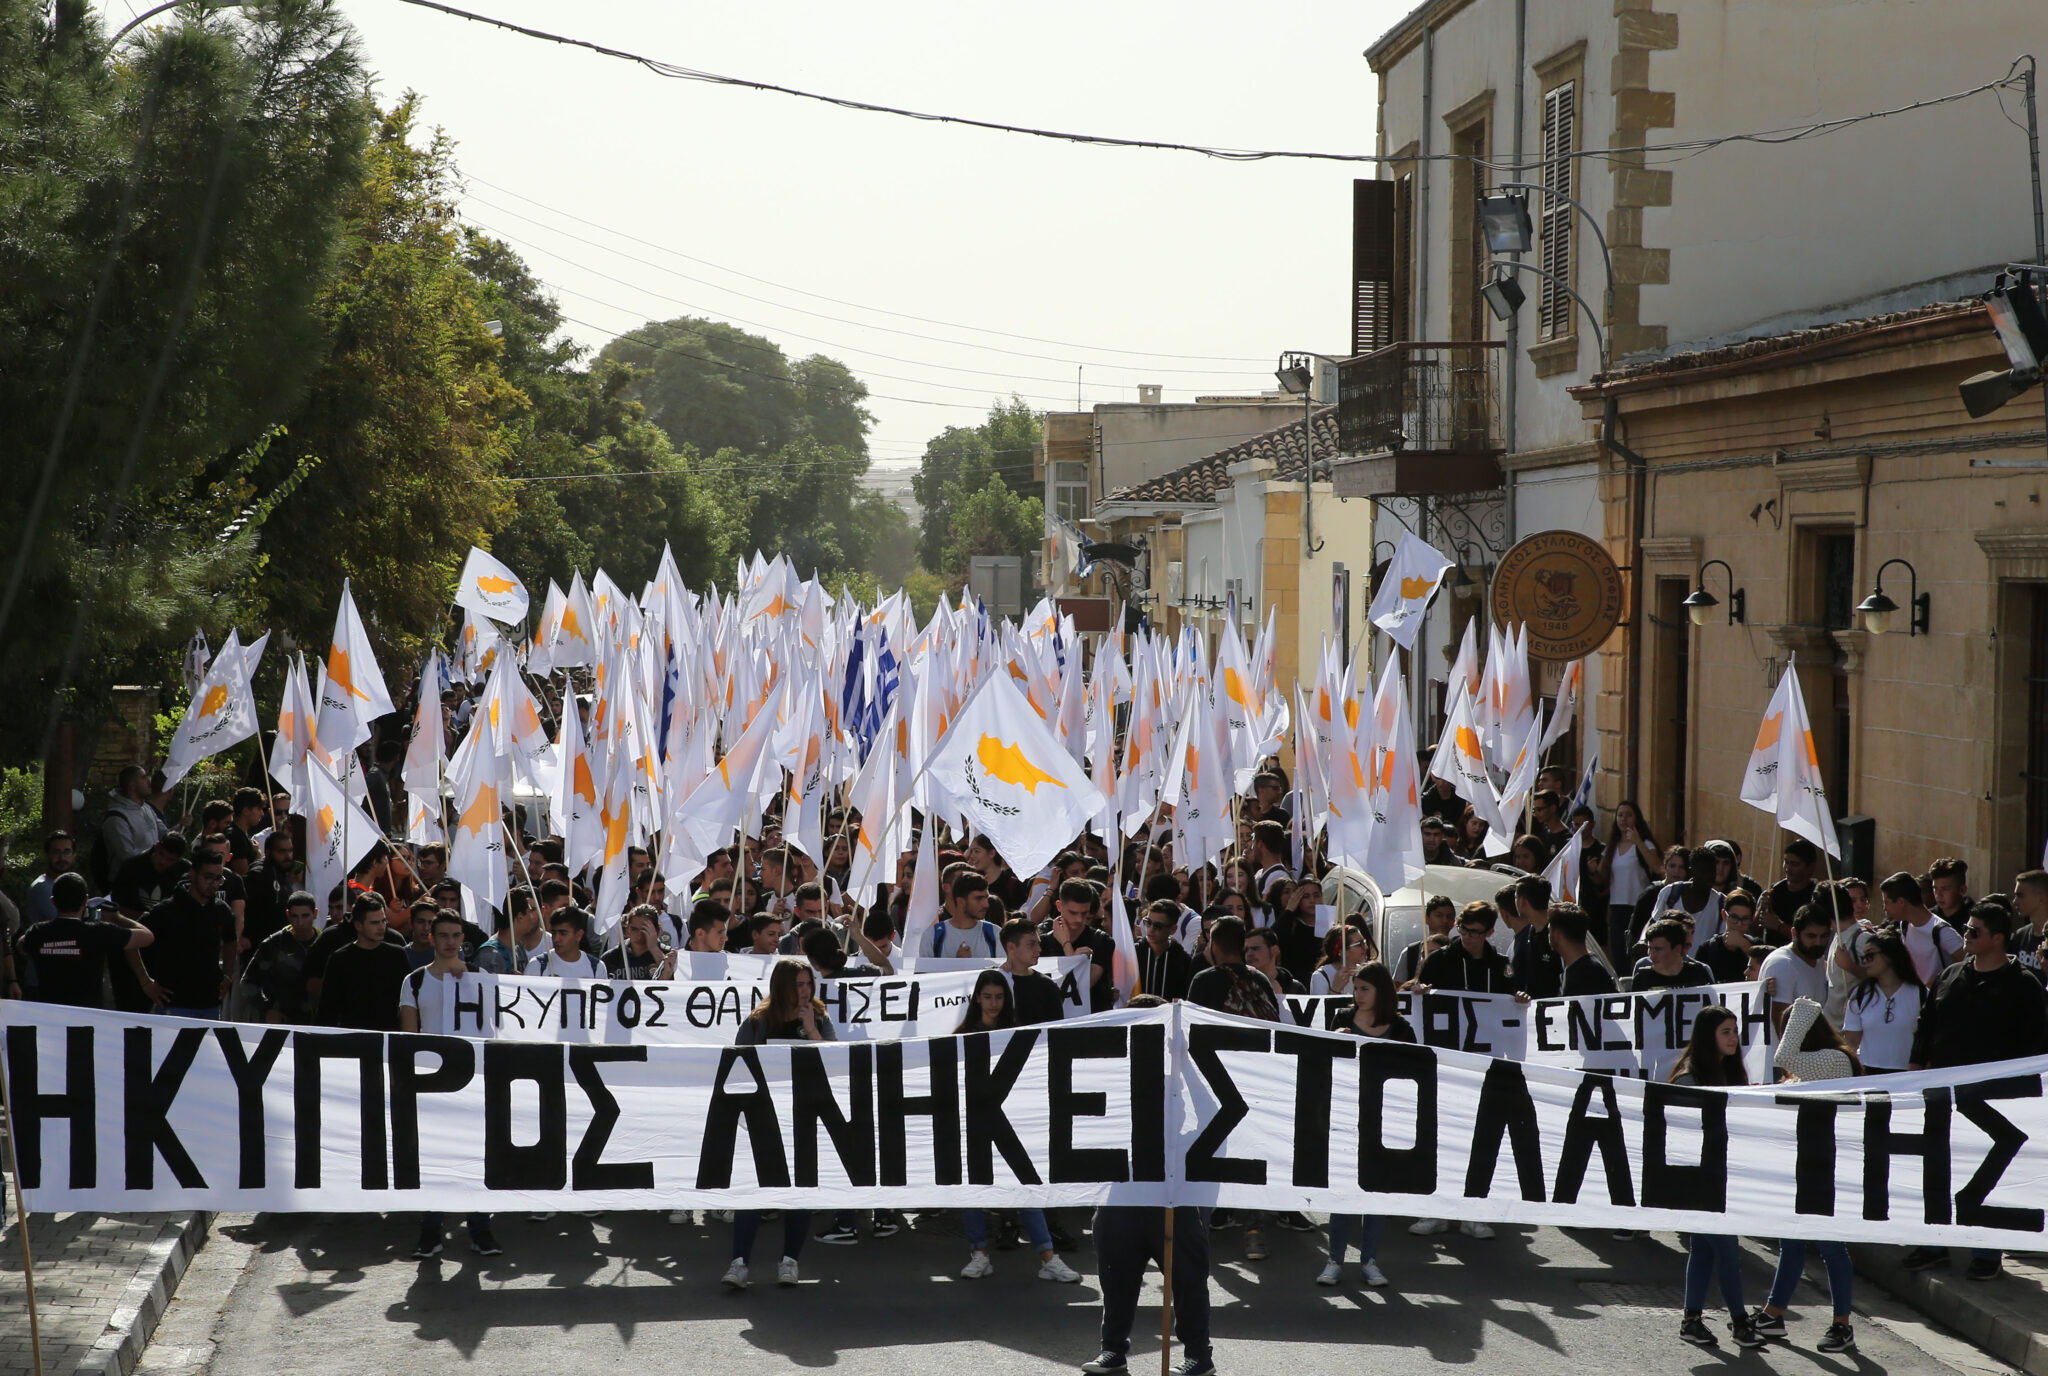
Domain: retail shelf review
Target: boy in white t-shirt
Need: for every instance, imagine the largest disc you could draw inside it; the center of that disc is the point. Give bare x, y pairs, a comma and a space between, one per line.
1931, 942
426, 1003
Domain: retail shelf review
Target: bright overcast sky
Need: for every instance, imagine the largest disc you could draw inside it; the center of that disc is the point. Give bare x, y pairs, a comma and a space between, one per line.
1103, 250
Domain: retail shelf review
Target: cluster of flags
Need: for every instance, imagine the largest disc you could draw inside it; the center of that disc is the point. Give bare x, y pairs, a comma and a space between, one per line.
705, 706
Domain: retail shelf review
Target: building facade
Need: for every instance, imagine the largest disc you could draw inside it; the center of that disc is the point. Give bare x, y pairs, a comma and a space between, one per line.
1808, 462
1652, 233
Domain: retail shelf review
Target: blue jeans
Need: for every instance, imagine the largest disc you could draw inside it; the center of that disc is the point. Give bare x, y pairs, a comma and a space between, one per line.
1713, 1254
1369, 1227
796, 1226
1032, 1221
1792, 1264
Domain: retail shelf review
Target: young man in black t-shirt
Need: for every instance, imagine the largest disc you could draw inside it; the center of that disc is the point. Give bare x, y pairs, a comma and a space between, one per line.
193, 957
1570, 932
359, 987
71, 952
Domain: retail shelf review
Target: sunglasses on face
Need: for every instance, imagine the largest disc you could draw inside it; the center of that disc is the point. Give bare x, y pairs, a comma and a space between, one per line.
1160, 926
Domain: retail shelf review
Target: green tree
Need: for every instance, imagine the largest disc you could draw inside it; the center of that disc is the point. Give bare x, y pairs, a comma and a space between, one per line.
407, 426
960, 461
714, 386
993, 520
168, 214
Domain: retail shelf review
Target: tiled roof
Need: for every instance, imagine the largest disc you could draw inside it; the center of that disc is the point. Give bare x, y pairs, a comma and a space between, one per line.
1201, 480
1745, 349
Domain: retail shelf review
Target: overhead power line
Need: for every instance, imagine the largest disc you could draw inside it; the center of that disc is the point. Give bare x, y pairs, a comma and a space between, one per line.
861, 306
820, 315
792, 334
675, 71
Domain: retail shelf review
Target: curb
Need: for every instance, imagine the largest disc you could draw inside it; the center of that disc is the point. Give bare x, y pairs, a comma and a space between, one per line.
1974, 1309
142, 1304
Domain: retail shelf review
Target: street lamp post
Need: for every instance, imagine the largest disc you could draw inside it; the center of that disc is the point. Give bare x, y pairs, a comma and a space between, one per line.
1503, 298
1508, 229
1297, 374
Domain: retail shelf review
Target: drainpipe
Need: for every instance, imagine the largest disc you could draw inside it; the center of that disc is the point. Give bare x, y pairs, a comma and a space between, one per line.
1509, 388
1421, 321
1639, 482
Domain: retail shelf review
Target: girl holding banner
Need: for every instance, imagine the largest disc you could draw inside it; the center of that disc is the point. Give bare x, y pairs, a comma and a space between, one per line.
1374, 1013
791, 1012
1714, 1057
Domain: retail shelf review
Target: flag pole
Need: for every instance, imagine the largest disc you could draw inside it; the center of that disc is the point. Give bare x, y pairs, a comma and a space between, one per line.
1166, 1306
28, 1266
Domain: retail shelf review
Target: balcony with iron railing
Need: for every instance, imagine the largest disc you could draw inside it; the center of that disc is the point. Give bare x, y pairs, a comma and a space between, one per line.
1420, 418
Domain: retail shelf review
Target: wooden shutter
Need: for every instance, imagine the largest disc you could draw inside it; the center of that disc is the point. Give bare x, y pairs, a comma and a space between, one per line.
1372, 265
1554, 246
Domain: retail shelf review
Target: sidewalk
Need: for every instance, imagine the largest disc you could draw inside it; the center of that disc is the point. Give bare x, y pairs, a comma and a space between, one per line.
2007, 1317
102, 1281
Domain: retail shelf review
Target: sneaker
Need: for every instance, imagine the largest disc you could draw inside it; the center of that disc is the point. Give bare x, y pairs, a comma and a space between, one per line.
679, 1216
1254, 1245
1107, 1364
484, 1244
1195, 1366
735, 1277
1293, 1222
1330, 1274
785, 1271
1769, 1324
978, 1267
1920, 1258
1624, 1235
1695, 1331
542, 1217
1062, 1240
1055, 1269
887, 1223
1222, 1220
1986, 1268
590, 1213
1006, 1234
1427, 1227
430, 1245
1483, 1231
1373, 1275
1839, 1338
839, 1235
1744, 1331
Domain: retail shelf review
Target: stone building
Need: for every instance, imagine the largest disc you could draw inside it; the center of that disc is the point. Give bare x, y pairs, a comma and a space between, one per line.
1808, 461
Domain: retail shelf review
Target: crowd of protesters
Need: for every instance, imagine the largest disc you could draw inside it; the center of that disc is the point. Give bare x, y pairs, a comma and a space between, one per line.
210, 918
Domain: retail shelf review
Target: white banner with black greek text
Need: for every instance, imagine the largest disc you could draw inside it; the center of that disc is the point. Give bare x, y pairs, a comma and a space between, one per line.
702, 1012
1639, 1035
119, 1113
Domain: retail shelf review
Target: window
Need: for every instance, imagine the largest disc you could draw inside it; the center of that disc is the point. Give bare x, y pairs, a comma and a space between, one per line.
1070, 490
1554, 309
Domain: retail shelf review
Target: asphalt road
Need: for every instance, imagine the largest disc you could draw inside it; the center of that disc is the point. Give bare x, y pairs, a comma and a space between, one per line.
316, 1294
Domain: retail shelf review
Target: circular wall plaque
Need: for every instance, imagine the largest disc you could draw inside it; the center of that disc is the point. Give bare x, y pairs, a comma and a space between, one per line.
1565, 587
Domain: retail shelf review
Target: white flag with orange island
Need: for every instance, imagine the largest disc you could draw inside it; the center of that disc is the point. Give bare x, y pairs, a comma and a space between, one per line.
1008, 773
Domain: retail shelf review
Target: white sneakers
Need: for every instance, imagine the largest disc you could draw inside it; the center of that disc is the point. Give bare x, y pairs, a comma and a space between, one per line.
1430, 1227
1332, 1273
785, 1271
1055, 1269
978, 1267
735, 1277
679, 1215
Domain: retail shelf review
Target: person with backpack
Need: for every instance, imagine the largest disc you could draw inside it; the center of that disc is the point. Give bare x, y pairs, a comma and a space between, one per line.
966, 930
